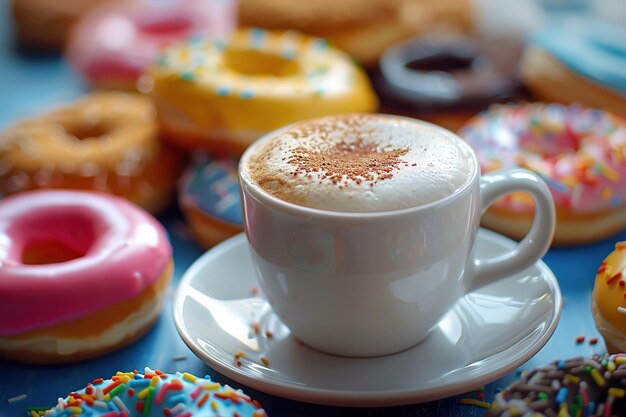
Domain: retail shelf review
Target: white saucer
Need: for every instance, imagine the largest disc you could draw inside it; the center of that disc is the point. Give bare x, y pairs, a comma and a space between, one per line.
487, 334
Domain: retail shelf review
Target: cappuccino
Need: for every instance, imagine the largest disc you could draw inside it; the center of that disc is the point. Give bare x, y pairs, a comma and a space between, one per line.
383, 262
360, 163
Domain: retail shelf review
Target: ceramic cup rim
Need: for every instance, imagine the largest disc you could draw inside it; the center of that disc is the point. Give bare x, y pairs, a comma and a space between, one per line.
247, 185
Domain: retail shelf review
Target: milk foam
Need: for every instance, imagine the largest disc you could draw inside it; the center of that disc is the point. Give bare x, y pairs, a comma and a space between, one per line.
360, 163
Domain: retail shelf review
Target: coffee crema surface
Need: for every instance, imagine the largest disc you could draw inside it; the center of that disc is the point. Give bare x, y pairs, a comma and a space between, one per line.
360, 163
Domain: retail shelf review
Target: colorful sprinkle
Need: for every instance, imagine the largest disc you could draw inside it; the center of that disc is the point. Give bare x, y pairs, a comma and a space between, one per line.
187, 76
477, 403
17, 398
246, 94
614, 277
258, 38
223, 91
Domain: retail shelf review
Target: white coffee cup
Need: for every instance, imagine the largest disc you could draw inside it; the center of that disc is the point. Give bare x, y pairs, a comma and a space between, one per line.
375, 283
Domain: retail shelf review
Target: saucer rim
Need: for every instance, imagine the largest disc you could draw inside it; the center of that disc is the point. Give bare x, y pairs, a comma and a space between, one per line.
360, 398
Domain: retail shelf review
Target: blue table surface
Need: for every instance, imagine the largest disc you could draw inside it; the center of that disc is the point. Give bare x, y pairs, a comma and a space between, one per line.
29, 84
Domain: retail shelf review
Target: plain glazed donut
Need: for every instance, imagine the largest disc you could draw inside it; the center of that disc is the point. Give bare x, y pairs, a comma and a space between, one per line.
364, 29
448, 79
608, 303
113, 45
221, 95
44, 25
106, 142
209, 199
579, 152
578, 62
573, 387
82, 274
156, 394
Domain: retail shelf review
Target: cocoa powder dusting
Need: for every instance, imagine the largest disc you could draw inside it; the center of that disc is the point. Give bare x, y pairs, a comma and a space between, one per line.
348, 161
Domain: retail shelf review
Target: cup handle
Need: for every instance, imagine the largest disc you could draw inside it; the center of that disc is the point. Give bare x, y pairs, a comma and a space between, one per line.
535, 243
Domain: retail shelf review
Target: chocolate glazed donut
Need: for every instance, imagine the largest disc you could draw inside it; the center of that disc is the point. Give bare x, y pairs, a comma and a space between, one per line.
434, 78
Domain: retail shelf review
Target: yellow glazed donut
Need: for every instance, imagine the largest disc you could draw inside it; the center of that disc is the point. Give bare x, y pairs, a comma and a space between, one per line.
223, 94
106, 142
609, 299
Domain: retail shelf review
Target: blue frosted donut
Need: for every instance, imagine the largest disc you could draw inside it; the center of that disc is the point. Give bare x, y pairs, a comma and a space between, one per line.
209, 198
581, 60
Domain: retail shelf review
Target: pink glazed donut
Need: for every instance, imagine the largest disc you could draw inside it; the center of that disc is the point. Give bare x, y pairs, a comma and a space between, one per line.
81, 274
112, 45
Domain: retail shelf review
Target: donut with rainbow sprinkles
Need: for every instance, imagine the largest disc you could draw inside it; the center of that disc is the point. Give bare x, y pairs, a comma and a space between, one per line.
154, 393
580, 152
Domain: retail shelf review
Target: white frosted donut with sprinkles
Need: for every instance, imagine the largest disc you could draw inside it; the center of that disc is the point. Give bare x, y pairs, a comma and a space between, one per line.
222, 94
580, 153
155, 393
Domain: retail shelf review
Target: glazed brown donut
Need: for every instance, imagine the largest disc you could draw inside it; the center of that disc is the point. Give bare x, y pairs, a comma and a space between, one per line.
44, 24
107, 141
362, 29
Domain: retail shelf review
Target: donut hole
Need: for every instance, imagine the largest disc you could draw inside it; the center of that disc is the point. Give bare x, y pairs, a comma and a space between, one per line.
444, 61
164, 24
50, 252
84, 130
57, 238
259, 63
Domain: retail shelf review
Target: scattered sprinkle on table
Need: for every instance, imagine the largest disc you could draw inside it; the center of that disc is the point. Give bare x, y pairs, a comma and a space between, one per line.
17, 398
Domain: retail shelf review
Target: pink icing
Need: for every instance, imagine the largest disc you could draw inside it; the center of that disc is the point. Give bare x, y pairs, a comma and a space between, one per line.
117, 42
579, 152
120, 249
